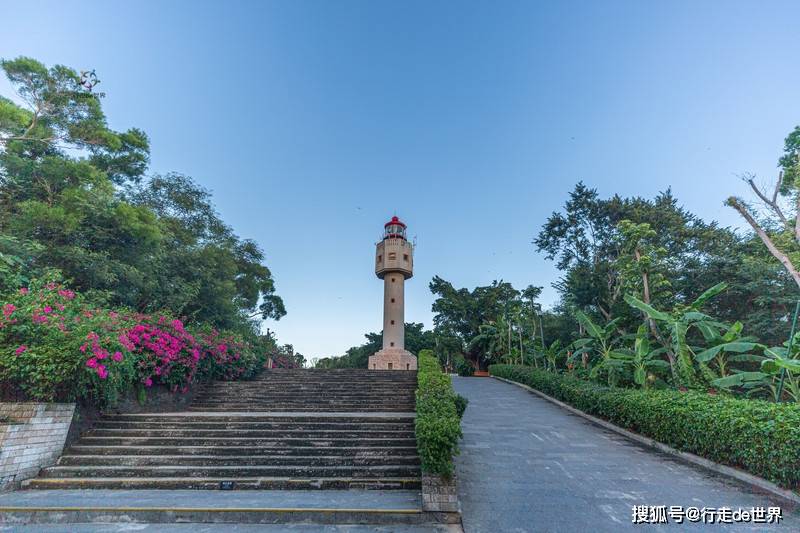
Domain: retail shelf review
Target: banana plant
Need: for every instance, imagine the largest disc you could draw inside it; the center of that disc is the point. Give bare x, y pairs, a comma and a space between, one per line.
718, 355
642, 360
677, 323
602, 342
765, 381
489, 341
551, 355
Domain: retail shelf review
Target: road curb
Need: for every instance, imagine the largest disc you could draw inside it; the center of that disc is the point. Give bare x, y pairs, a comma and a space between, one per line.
702, 462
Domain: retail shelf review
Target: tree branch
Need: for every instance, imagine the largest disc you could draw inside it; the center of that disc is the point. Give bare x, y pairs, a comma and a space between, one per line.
773, 203
779, 255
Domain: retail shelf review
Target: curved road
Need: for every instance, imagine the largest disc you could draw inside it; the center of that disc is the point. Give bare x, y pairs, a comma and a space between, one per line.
528, 465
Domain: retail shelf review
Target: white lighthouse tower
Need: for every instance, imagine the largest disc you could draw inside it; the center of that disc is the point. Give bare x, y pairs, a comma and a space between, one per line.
394, 264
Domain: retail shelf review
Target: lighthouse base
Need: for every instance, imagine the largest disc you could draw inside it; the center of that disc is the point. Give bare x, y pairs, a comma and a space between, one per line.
393, 359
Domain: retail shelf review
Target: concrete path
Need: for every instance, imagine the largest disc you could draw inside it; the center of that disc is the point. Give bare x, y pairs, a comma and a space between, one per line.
528, 465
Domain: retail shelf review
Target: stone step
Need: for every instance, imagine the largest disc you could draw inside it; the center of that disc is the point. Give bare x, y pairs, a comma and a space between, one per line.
130, 510
288, 426
227, 407
230, 471
245, 441
254, 483
242, 432
192, 450
236, 460
295, 429
326, 401
261, 417
310, 396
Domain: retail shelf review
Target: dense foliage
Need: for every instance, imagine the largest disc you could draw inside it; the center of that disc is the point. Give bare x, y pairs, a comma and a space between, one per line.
111, 278
438, 422
416, 339
760, 437
75, 196
56, 345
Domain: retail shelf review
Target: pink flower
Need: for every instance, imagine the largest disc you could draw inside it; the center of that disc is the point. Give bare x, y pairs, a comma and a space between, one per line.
117, 357
47, 309
8, 309
102, 372
22, 349
91, 363
82, 348
69, 295
24, 290
148, 382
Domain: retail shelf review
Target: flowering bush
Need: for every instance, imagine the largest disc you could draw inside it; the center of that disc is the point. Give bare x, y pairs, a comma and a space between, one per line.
54, 345
228, 357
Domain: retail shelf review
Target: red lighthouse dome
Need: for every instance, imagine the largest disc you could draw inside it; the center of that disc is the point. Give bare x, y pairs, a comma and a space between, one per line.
394, 229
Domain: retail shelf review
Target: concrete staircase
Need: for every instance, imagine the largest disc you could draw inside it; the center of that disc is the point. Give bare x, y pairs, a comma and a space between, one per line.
287, 429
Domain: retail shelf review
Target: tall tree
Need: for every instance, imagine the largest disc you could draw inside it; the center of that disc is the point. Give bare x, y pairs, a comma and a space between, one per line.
779, 230
74, 196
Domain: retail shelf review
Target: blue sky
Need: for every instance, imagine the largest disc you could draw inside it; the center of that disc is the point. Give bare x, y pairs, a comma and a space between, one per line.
313, 122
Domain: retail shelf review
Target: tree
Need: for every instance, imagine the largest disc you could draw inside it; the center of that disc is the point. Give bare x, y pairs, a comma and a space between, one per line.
74, 197
416, 338
599, 264
780, 230
462, 312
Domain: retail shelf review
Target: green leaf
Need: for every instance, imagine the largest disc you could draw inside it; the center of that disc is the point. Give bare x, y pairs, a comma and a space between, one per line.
747, 358
707, 355
639, 376
735, 380
771, 366
647, 309
736, 347
593, 329
708, 294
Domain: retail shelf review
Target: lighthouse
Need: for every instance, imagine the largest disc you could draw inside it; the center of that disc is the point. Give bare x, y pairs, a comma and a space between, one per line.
394, 264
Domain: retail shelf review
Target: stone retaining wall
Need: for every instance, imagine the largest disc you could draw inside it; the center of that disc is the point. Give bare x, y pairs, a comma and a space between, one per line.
33, 438
439, 494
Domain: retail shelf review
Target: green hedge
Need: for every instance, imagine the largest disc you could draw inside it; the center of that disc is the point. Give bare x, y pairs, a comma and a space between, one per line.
760, 437
437, 425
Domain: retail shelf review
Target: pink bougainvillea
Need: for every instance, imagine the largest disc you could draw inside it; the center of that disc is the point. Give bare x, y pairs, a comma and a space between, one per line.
99, 353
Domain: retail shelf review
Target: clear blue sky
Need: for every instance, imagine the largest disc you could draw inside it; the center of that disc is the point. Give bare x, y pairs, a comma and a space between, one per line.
313, 122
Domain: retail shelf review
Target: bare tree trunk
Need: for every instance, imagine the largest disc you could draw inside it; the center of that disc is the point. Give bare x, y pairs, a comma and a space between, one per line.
780, 256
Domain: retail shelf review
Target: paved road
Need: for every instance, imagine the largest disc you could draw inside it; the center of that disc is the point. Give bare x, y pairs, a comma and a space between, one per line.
528, 465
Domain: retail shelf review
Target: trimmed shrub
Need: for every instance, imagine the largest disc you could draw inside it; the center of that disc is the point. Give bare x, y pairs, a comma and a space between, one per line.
760, 437
437, 425
461, 405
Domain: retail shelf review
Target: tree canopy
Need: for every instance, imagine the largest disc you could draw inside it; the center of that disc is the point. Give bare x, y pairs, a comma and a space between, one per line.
75, 196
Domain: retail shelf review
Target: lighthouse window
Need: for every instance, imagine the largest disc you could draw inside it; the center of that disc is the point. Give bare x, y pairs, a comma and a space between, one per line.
392, 256
391, 344
392, 322
392, 300
392, 280
405, 258
380, 258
